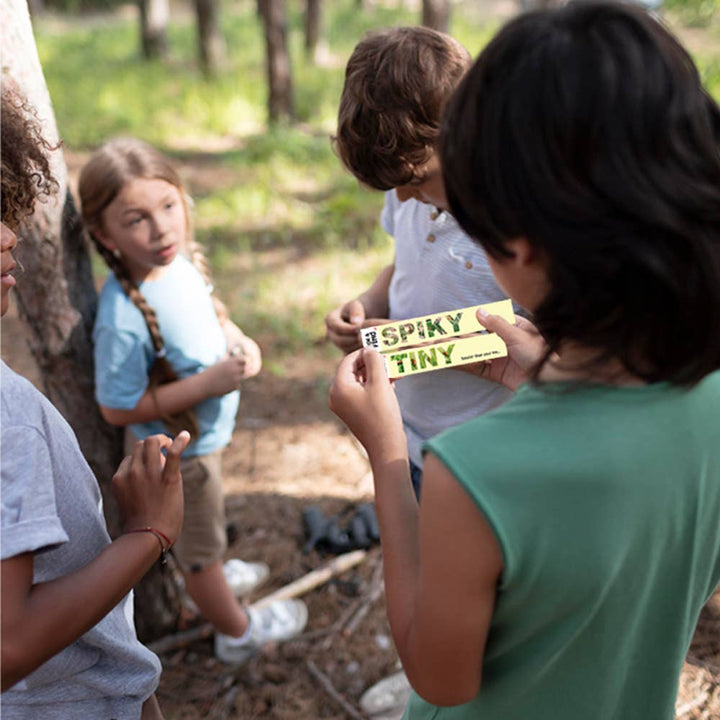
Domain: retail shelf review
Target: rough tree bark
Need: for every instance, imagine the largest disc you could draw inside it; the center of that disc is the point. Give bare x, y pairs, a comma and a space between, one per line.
280, 92
154, 17
436, 14
211, 44
57, 300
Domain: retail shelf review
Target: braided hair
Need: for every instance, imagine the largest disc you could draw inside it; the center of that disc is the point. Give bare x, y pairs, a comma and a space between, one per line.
102, 178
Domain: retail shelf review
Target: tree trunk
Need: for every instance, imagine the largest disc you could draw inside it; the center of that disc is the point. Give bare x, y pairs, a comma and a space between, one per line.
436, 14
313, 29
211, 44
280, 100
57, 302
154, 17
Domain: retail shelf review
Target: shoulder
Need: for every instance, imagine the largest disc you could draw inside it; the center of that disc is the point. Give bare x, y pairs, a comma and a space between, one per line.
181, 279
113, 302
182, 268
22, 403
498, 434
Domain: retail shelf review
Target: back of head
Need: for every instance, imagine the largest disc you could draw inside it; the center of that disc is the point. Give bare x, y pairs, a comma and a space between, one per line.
397, 84
586, 130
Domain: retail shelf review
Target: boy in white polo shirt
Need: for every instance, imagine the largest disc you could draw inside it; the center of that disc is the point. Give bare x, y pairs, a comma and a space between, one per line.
397, 83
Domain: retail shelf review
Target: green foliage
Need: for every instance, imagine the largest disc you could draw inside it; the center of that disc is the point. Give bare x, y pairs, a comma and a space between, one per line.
289, 233
695, 13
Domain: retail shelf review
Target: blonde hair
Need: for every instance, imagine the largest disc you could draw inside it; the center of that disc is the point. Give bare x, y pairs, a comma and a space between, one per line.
104, 175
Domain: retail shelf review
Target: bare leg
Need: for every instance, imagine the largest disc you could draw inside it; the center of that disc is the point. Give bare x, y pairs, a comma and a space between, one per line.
215, 600
151, 710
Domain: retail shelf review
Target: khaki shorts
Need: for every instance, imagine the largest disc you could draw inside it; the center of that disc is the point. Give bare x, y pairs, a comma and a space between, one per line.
203, 539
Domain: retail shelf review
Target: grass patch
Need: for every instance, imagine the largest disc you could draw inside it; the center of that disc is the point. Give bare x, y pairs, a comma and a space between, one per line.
289, 233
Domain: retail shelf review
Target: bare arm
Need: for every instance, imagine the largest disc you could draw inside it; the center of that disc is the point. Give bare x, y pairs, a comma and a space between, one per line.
442, 562
219, 379
343, 323
40, 620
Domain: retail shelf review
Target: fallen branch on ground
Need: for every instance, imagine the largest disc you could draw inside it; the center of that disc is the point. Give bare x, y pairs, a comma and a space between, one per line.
302, 585
321, 575
377, 586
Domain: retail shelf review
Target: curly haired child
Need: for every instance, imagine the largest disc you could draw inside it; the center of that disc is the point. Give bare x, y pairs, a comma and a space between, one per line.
69, 648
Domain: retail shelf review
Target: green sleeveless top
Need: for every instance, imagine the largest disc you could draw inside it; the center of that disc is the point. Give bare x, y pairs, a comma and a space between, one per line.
606, 505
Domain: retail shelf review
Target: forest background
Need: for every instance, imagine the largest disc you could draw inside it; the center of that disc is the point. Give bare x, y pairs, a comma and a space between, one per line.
289, 235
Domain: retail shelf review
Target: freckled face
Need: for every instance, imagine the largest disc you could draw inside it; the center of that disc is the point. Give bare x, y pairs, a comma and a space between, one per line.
147, 223
8, 240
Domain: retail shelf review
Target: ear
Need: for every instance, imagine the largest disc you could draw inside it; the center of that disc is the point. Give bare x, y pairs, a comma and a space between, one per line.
524, 253
101, 237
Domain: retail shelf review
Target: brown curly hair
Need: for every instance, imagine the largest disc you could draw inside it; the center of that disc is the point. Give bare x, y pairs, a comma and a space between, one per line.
397, 84
26, 174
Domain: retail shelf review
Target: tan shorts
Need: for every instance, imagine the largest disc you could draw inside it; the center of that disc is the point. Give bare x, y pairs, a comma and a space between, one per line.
203, 539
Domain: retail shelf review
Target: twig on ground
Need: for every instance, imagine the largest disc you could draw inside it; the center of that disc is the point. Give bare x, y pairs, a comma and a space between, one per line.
339, 624
223, 707
330, 689
685, 708
182, 639
377, 587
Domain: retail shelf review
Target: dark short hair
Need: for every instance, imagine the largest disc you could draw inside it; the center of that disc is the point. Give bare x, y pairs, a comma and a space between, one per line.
397, 84
586, 130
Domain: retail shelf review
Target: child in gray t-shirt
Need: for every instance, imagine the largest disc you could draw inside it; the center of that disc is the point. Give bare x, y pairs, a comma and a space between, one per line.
69, 648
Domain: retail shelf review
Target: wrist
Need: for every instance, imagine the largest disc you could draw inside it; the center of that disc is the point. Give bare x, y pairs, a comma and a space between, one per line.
163, 540
387, 449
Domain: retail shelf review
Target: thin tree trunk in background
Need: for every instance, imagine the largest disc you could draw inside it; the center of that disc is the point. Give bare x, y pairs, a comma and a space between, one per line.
154, 17
211, 44
436, 14
280, 95
57, 301
315, 46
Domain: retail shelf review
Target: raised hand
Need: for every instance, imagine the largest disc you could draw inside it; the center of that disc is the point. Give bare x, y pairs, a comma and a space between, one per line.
225, 375
363, 397
148, 485
525, 348
343, 325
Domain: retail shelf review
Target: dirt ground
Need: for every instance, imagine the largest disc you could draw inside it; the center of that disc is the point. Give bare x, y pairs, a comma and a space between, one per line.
288, 453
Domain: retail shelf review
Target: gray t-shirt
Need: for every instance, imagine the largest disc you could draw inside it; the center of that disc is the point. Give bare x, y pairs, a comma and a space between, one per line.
437, 268
51, 506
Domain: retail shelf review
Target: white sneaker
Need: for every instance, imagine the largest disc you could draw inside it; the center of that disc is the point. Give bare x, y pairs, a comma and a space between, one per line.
280, 620
386, 700
243, 577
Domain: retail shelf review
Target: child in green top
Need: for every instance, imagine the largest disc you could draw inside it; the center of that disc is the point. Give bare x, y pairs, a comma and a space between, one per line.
567, 541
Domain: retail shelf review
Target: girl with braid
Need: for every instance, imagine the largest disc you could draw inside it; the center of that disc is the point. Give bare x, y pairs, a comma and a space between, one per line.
168, 357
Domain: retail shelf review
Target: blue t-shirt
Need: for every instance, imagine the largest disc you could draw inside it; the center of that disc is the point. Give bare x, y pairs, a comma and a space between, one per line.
193, 338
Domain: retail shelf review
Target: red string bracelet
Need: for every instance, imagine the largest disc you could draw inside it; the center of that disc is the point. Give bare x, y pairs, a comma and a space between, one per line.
160, 537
